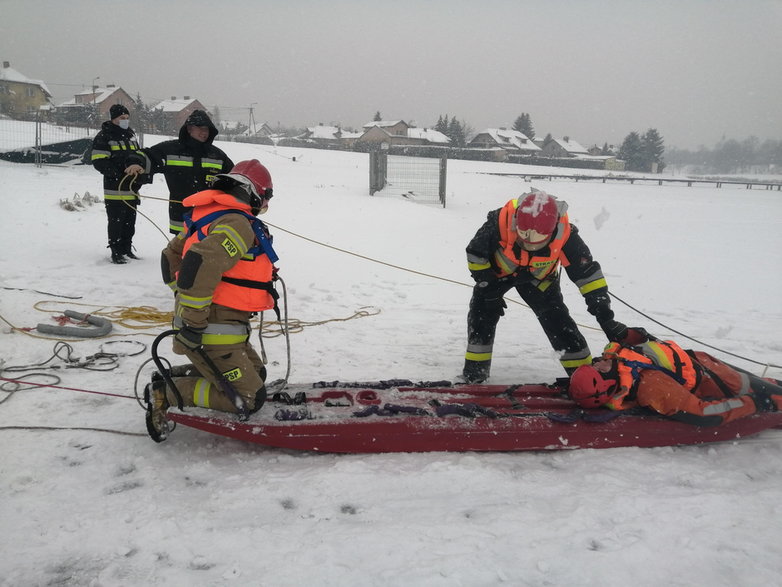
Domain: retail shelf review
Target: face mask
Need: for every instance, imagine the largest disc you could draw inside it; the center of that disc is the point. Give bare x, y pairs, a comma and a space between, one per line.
124, 123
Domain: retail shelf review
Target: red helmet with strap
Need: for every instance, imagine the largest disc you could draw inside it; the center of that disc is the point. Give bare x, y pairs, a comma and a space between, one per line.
536, 219
589, 389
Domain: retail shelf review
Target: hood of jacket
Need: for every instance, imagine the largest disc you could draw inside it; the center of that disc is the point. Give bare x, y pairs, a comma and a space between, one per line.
198, 118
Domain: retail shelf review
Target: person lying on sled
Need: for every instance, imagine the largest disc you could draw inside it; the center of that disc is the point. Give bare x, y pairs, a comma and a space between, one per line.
685, 385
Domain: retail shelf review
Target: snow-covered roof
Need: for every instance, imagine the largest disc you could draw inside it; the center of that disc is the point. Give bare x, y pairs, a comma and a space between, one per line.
174, 105
571, 146
9, 74
511, 138
383, 123
428, 134
101, 94
323, 132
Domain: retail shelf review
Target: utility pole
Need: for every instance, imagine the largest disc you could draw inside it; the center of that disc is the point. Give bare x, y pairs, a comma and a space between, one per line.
94, 89
251, 121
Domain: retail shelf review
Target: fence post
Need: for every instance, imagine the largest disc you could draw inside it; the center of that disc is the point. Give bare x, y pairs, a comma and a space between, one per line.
443, 175
38, 141
378, 169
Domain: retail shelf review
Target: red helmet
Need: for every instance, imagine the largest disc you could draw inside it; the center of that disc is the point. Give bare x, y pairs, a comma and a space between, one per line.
589, 389
536, 219
254, 177
259, 176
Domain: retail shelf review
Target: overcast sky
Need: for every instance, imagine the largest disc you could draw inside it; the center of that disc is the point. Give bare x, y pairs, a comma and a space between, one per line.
696, 70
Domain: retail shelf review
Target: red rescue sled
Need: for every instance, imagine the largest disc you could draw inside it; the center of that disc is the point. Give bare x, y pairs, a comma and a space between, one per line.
399, 416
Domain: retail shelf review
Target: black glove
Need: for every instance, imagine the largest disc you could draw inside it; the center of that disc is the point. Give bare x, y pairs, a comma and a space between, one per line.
763, 400
614, 331
484, 277
190, 337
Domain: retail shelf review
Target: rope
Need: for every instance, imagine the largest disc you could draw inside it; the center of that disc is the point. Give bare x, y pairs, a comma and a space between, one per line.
694, 339
514, 301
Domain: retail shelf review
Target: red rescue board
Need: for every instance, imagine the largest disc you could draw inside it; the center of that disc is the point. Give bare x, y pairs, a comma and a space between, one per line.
351, 418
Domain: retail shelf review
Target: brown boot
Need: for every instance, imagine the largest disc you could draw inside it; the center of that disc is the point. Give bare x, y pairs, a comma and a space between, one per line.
157, 404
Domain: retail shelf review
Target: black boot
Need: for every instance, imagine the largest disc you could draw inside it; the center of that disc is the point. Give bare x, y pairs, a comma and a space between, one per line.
118, 258
475, 371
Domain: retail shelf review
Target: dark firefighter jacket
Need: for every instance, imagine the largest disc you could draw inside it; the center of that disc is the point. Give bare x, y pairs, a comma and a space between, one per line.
486, 247
111, 149
188, 166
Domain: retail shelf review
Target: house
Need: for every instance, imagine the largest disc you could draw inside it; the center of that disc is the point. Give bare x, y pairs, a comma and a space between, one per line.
399, 132
510, 140
93, 105
171, 114
333, 137
100, 99
20, 96
389, 132
564, 147
427, 136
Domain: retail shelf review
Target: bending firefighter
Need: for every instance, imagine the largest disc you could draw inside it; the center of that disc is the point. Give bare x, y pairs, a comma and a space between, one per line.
523, 245
222, 271
685, 385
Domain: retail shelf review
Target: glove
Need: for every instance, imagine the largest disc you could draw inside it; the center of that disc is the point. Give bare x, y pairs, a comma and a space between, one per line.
635, 336
614, 331
763, 401
484, 277
190, 337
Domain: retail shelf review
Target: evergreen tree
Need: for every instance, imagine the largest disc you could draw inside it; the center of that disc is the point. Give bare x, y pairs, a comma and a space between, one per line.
442, 125
377, 116
631, 152
456, 133
606, 150
548, 139
652, 149
523, 124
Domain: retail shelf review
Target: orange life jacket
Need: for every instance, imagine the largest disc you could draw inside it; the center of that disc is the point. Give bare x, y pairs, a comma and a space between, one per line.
660, 355
510, 256
248, 284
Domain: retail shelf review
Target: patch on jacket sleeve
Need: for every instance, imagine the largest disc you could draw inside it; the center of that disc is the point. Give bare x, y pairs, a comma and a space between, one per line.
230, 247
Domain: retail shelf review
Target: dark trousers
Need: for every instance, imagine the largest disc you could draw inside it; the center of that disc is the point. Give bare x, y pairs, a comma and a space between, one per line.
487, 306
122, 225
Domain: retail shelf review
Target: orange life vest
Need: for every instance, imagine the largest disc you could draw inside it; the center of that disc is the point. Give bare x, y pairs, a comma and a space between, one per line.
661, 355
247, 285
510, 256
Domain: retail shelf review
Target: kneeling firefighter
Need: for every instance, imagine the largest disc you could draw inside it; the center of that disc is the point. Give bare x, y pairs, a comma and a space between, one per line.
221, 269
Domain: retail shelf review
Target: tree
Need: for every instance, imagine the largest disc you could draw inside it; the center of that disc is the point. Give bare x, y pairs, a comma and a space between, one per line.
631, 152
442, 124
523, 124
456, 133
377, 116
652, 149
548, 139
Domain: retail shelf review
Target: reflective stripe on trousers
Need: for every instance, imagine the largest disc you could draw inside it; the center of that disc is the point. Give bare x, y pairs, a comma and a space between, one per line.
217, 334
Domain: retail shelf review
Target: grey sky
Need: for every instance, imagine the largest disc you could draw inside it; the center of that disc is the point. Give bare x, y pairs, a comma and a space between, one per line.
696, 70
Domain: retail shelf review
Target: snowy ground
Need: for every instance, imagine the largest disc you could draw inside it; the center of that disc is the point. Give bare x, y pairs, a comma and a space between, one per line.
89, 499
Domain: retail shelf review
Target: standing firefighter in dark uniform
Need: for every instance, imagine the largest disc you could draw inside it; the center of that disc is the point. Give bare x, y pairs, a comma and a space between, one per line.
188, 163
111, 148
523, 245
221, 268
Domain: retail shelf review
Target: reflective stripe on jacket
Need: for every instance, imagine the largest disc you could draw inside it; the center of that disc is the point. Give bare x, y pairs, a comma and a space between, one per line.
662, 355
510, 256
246, 285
